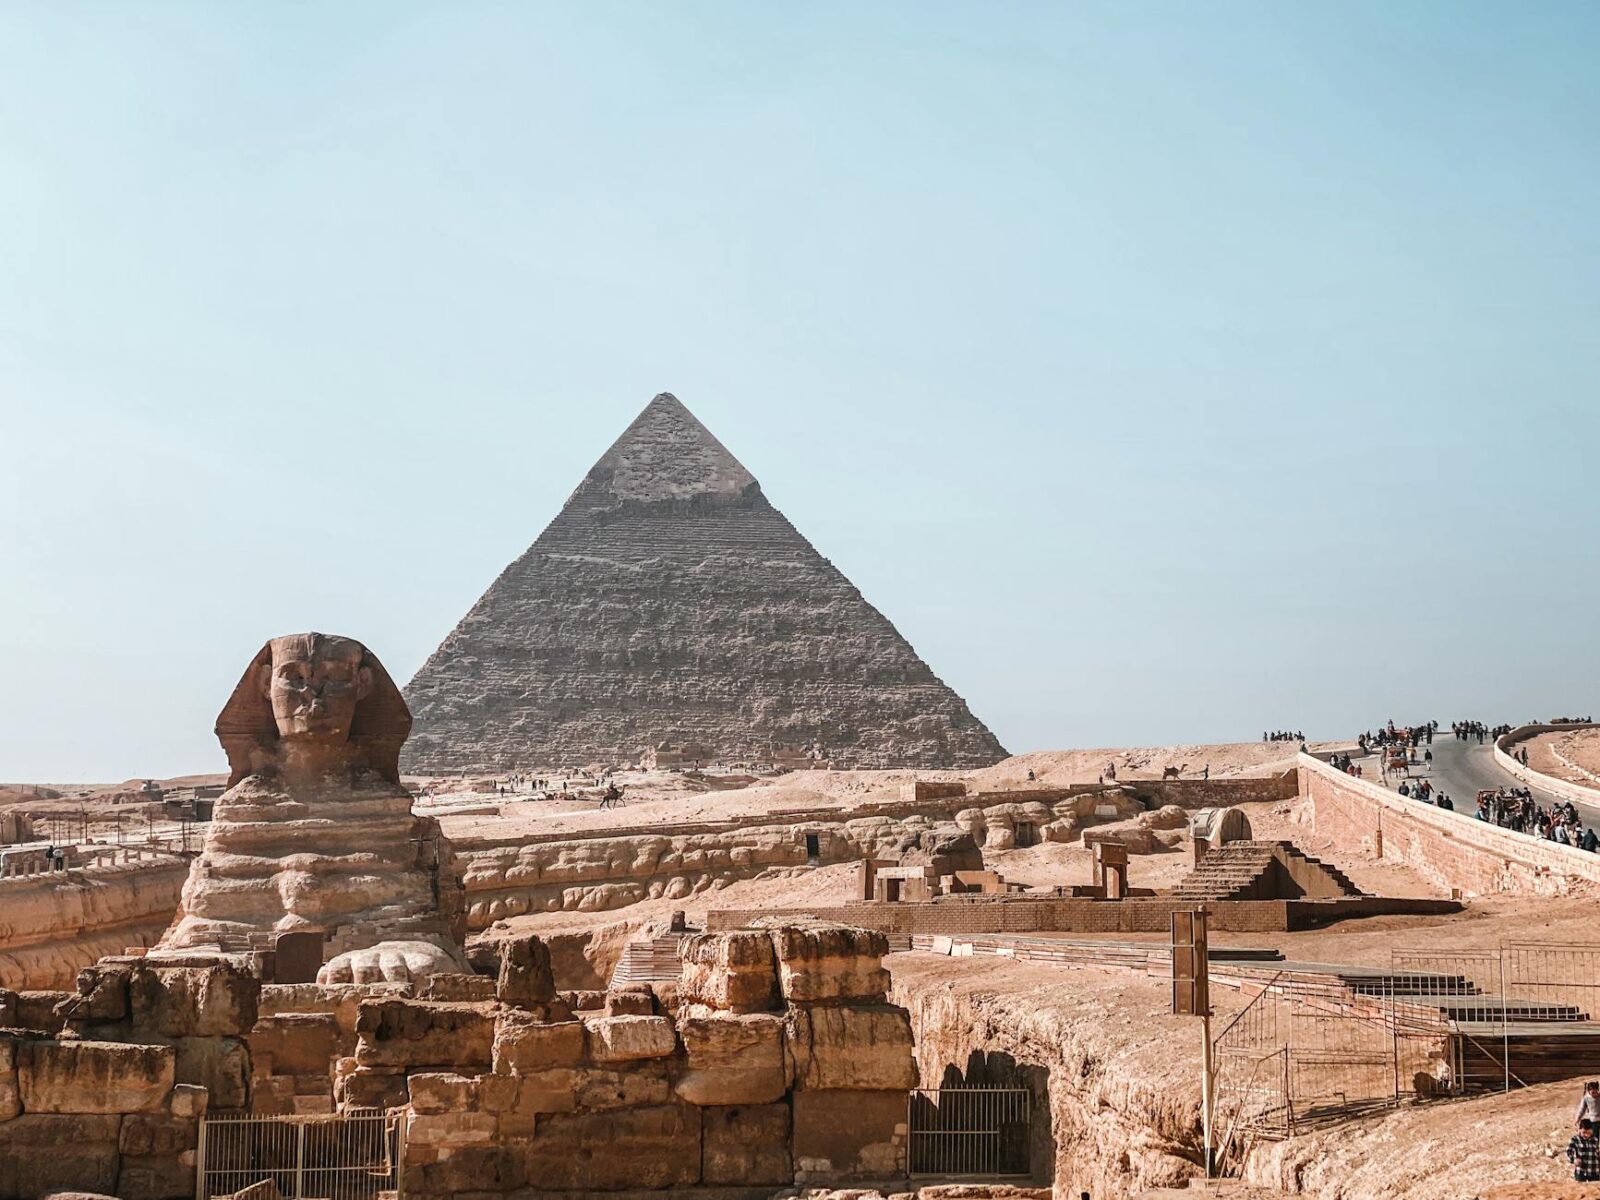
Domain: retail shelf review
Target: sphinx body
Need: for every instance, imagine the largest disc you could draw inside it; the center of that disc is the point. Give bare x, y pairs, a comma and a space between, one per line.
315, 833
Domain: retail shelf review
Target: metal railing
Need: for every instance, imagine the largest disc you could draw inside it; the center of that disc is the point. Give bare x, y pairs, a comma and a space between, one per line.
969, 1131
345, 1156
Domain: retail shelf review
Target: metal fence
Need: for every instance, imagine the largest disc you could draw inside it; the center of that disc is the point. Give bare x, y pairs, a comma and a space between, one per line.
346, 1156
1323, 1041
969, 1131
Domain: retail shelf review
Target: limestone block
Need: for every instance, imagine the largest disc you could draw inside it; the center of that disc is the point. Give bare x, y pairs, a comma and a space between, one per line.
102, 994
93, 1077
1063, 830
221, 1000
525, 977
635, 1000
494, 1093
1131, 834
296, 1043
859, 1046
523, 1045
189, 1101
732, 971
220, 1065
849, 1135
831, 964
367, 1087
457, 988
630, 1086
416, 1033
625, 1039
157, 1133
451, 1129
442, 1092
747, 1145
10, 1095
635, 1149
733, 1058
39, 1011
463, 1170
49, 1152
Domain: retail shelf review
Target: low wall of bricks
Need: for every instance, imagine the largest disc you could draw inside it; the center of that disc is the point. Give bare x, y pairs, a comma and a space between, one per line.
1452, 849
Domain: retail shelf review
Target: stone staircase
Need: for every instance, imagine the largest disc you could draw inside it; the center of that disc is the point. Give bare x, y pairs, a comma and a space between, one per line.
1261, 871
649, 960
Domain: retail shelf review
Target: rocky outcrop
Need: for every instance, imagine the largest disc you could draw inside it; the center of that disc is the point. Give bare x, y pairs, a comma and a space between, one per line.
1114, 1080
669, 600
52, 926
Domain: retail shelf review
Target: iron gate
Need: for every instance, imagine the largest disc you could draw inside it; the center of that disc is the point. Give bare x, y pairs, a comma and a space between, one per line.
345, 1156
969, 1131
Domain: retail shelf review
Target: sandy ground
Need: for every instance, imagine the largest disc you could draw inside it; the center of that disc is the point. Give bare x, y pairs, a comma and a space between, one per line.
475, 808
1581, 748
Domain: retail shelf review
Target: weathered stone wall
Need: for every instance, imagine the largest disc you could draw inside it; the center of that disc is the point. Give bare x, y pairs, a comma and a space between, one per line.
1453, 849
593, 873
53, 925
779, 1062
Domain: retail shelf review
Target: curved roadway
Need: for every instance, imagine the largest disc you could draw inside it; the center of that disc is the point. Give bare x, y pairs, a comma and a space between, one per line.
1460, 769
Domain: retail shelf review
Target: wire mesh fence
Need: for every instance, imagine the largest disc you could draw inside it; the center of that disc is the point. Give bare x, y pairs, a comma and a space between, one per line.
1321, 1041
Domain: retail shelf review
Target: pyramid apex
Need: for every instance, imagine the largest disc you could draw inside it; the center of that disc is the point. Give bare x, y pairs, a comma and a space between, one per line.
667, 454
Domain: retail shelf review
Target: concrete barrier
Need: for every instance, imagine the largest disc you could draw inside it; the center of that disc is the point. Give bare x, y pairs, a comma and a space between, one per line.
1452, 849
1562, 789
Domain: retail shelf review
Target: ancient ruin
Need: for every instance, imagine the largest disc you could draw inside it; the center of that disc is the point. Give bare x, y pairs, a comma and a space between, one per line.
315, 837
670, 604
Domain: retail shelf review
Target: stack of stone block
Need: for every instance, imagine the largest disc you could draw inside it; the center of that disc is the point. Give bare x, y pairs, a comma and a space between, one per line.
108, 1096
783, 1064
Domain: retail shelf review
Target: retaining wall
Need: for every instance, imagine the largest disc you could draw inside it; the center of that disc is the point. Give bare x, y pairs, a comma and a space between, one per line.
1560, 788
1452, 849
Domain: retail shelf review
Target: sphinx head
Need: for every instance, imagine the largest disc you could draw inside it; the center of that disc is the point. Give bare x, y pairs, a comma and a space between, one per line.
314, 684
322, 700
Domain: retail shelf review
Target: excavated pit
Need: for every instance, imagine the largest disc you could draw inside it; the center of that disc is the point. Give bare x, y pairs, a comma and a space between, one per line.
1113, 1077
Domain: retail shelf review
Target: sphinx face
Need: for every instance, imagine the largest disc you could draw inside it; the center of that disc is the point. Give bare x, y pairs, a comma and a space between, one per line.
314, 684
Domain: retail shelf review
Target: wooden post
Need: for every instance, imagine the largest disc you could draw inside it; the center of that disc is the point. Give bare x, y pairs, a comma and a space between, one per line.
1191, 996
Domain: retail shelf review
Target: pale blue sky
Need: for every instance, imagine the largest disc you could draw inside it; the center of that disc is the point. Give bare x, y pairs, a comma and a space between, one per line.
1163, 371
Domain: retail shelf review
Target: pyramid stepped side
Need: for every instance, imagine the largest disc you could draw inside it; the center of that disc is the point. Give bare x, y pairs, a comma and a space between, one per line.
670, 601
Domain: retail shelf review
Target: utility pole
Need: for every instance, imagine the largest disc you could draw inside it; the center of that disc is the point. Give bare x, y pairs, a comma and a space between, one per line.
1191, 996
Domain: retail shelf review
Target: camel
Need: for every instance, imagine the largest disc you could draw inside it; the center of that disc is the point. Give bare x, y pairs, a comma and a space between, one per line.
1172, 772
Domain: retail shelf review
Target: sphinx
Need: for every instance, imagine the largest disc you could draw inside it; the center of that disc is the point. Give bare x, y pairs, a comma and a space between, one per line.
315, 833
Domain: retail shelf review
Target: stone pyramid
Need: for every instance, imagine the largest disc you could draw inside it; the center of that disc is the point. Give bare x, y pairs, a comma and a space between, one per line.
670, 602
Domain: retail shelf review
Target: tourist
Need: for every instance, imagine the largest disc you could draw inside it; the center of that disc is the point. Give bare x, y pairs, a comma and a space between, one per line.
1583, 1152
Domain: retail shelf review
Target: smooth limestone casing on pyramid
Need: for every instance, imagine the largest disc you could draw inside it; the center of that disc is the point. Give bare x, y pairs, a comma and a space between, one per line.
669, 600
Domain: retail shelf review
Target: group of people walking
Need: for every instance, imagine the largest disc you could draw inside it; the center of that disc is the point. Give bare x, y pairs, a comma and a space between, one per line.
1516, 809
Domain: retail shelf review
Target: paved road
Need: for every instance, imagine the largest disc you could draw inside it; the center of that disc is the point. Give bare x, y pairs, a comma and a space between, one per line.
1460, 769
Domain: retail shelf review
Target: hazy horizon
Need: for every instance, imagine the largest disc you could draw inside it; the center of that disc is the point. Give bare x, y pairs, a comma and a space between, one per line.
1163, 374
